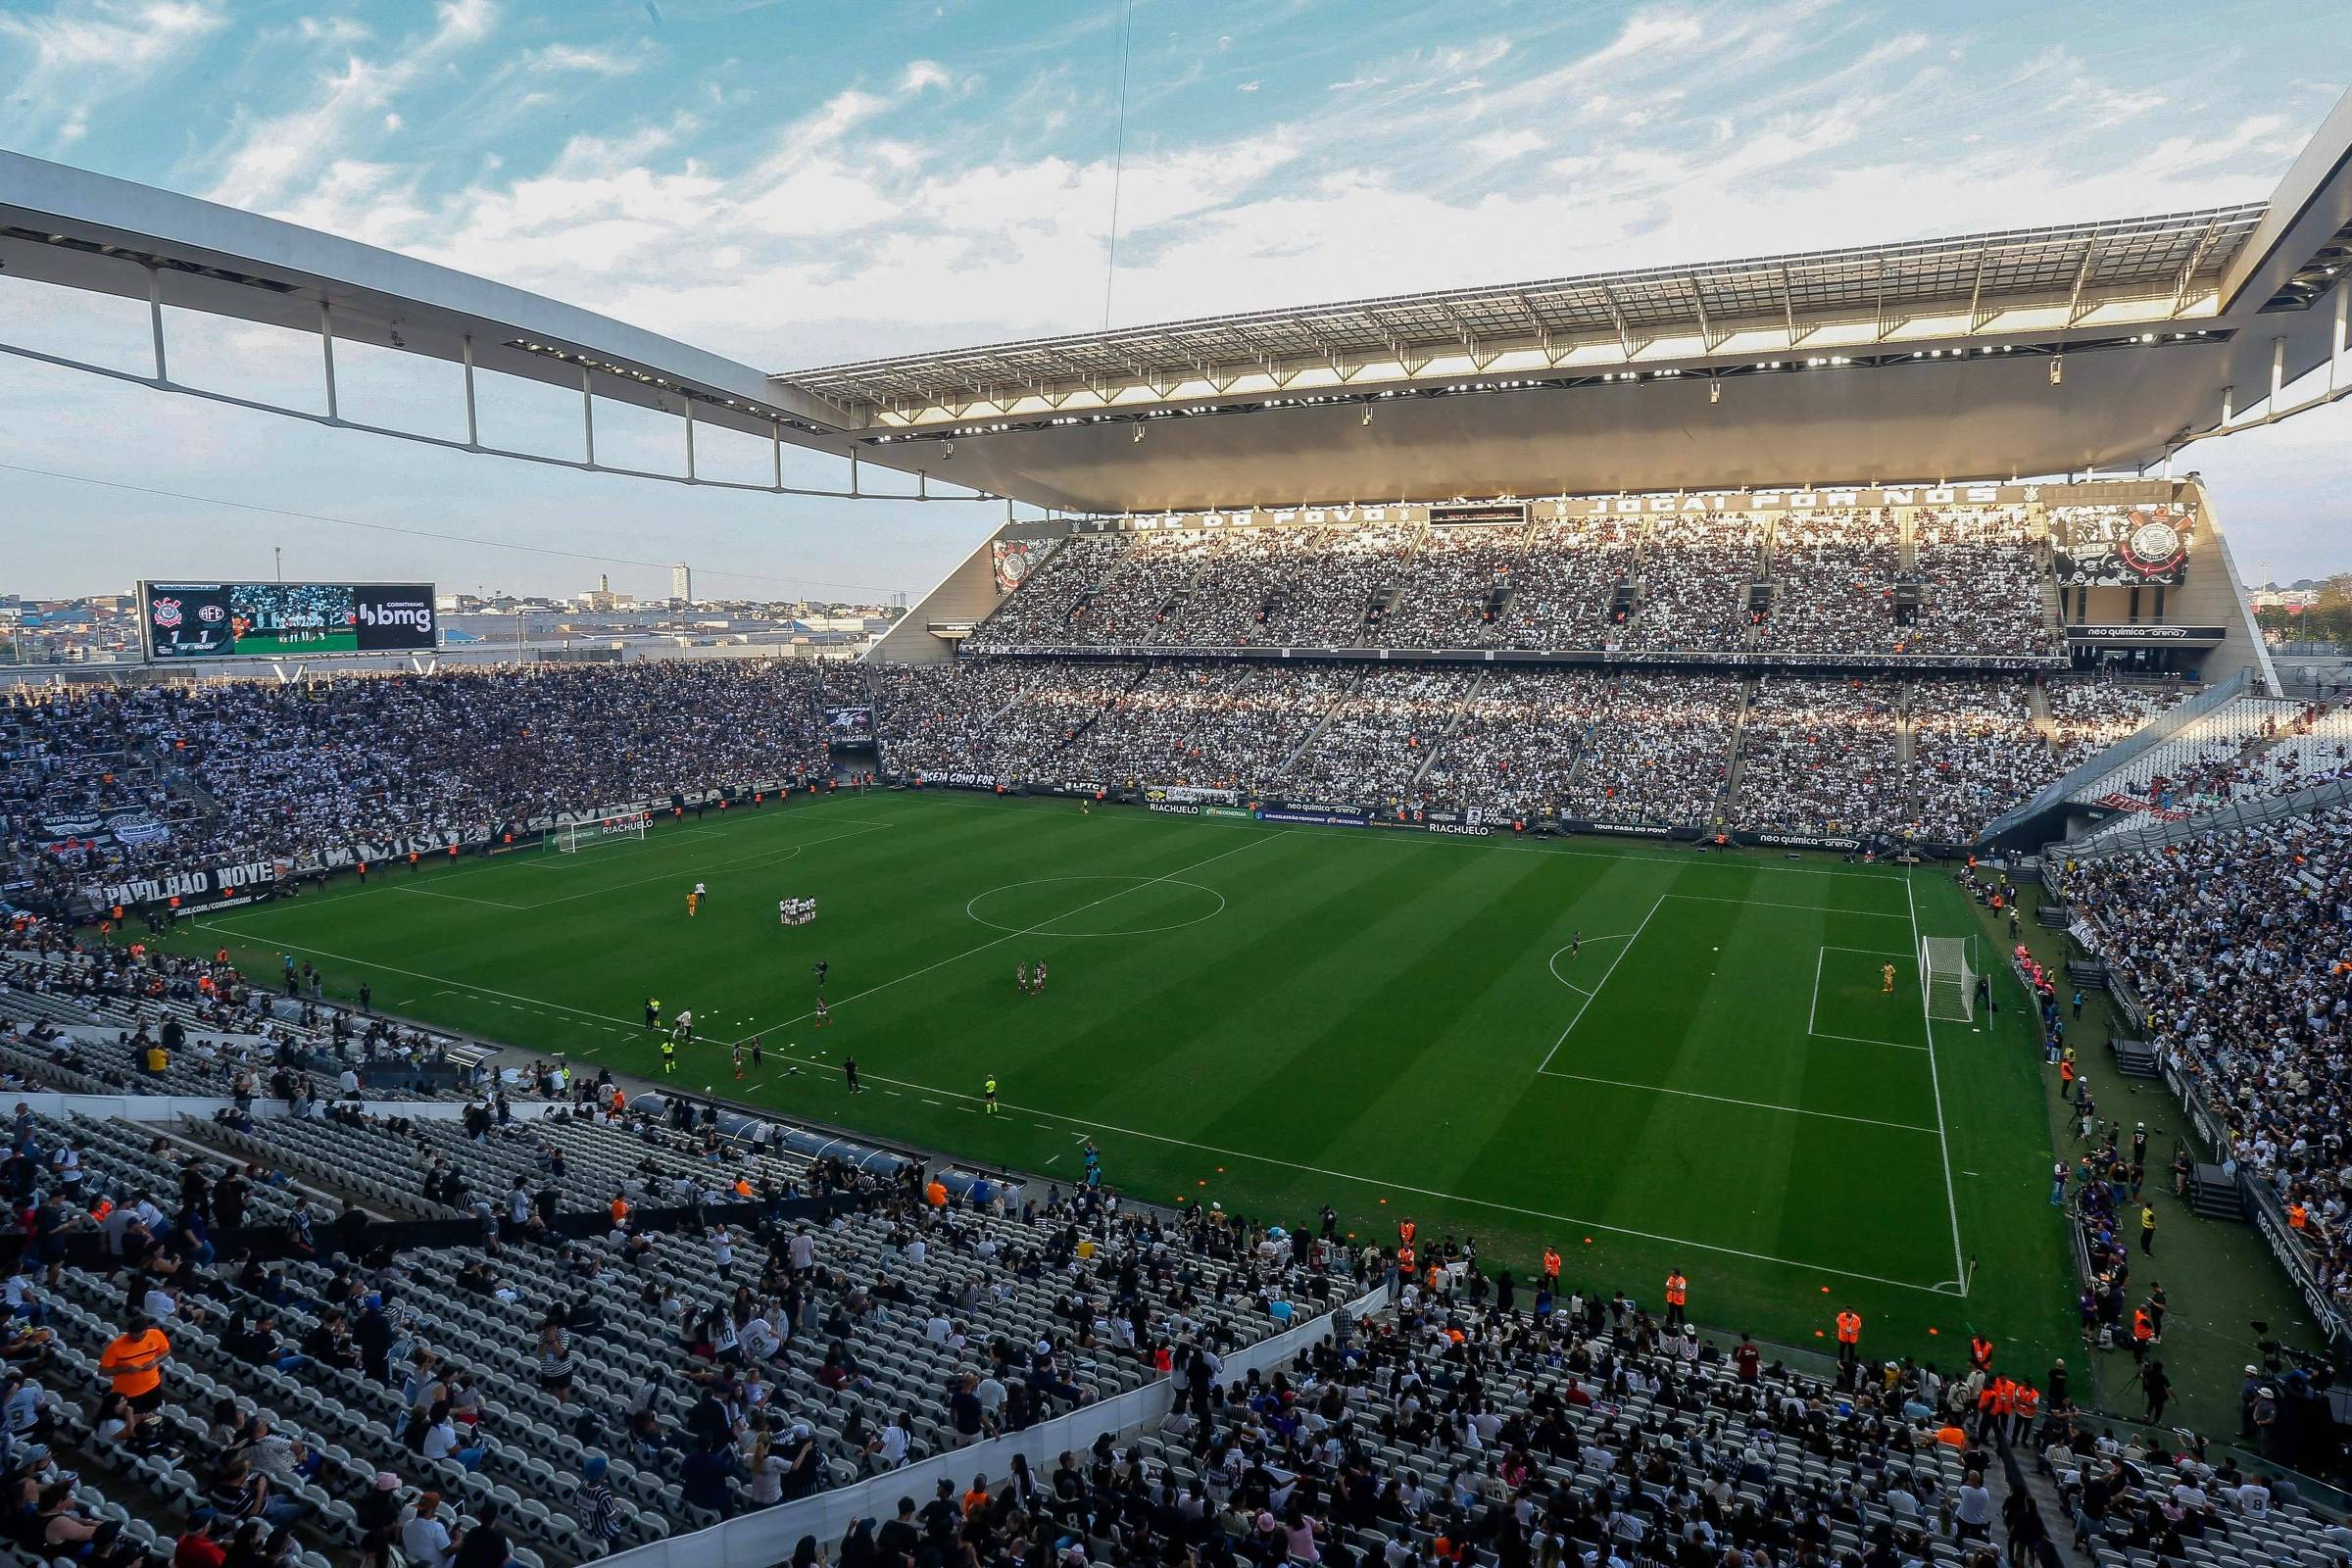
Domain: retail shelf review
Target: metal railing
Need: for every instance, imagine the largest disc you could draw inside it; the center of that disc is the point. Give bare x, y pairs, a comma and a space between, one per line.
2156, 833
2155, 732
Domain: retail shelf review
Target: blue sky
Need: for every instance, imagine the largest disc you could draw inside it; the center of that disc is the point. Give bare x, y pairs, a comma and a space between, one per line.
793, 183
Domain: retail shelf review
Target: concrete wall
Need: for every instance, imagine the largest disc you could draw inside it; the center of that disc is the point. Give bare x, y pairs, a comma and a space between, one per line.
2211, 596
968, 593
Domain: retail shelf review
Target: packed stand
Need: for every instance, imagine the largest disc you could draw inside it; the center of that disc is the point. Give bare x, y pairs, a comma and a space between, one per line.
1818, 757
1975, 751
1518, 743
1459, 575
1212, 726
1660, 752
1377, 738
2088, 713
1984, 574
938, 718
1833, 584
1697, 574
2247, 993
1042, 611
1562, 592
292, 770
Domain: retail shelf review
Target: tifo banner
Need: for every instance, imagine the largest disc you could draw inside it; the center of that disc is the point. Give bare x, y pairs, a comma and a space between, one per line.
1012, 560
2099, 547
212, 885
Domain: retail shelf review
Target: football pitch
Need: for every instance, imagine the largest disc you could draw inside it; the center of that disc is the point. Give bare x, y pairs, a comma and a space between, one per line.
1717, 1077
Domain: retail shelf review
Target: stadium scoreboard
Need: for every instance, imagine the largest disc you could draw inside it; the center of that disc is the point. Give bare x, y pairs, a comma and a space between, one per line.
181, 620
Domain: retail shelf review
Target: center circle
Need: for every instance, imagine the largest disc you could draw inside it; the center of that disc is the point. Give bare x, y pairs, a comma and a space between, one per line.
1095, 906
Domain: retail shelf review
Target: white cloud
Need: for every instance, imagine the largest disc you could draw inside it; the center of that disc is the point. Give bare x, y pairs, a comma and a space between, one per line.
265, 158
1355, 83
557, 58
1246, 86
1501, 146
88, 51
923, 74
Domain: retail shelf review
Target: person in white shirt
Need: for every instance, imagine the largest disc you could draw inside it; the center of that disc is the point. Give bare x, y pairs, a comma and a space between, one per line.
426, 1540
2253, 1498
893, 1452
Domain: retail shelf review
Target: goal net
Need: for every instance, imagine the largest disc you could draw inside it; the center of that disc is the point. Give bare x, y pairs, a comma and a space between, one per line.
1951, 986
570, 838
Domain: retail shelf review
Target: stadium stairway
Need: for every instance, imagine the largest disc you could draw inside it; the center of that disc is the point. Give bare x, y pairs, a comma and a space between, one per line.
2212, 1193
2087, 974
2134, 1058
1461, 712
1322, 722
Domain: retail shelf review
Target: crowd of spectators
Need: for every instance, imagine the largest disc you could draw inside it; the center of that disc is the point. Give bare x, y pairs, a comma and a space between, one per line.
1833, 584
1213, 726
1975, 752
2246, 992
1818, 757
1562, 594
1450, 598
1697, 575
1660, 754
2089, 713
1983, 574
1377, 738
939, 719
1518, 742
278, 771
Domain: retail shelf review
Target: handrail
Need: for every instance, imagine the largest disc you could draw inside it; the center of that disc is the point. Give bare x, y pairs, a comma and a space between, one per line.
2236, 816
2163, 727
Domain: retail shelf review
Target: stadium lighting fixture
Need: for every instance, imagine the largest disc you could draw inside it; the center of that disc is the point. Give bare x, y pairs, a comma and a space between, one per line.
1715, 390
1139, 432
2057, 368
1367, 416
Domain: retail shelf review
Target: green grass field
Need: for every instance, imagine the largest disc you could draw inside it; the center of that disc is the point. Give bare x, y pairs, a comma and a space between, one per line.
1275, 1017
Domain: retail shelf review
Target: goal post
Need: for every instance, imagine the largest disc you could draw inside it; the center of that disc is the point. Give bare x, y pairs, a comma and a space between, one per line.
570, 838
1951, 984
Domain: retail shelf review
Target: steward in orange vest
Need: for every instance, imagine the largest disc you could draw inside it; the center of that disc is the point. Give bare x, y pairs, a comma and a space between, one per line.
1849, 1334
1678, 1296
1980, 1352
1551, 1266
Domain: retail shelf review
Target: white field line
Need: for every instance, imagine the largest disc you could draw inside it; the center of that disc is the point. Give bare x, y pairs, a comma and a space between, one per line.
1597, 985
1951, 1198
1033, 930
1094, 1125
1767, 904
1752, 1105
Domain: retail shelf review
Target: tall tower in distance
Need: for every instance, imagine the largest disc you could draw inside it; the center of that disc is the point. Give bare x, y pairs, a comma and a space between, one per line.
681, 583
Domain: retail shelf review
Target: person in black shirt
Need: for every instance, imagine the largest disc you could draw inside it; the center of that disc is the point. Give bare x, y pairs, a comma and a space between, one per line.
940, 1517
900, 1541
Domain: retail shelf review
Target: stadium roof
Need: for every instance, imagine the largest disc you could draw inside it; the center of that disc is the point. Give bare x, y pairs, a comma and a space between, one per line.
2146, 268
2096, 346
